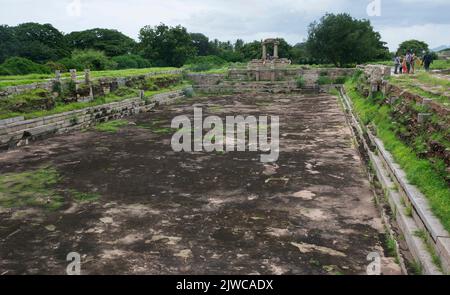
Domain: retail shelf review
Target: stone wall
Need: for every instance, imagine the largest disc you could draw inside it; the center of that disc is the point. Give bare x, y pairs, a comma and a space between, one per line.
236, 87
310, 75
17, 131
206, 79
287, 74
111, 82
280, 80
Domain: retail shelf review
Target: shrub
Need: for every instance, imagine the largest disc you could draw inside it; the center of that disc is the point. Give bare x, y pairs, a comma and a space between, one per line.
340, 80
300, 82
69, 63
188, 92
205, 63
323, 80
22, 66
89, 59
56, 66
131, 61
34, 100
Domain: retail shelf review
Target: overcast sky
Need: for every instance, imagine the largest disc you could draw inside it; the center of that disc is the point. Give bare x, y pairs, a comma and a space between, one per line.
426, 20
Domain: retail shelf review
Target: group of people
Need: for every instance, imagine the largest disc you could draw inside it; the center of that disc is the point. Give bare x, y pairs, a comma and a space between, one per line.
407, 64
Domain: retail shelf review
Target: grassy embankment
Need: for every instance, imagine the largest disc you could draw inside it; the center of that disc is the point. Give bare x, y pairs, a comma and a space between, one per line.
426, 85
429, 177
30, 104
35, 78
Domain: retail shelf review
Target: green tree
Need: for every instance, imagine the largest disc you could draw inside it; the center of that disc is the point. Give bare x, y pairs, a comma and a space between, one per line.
166, 46
415, 46
251, 50
40, 43
8, 43
111, 42
88, 59
201, 43
131, 61
238, 44
343, 40
22, 66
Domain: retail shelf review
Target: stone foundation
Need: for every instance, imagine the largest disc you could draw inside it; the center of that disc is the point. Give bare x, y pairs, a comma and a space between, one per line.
17, 131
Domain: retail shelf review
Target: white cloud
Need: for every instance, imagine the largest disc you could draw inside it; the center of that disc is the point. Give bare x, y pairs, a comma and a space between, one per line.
433, 34
232, 19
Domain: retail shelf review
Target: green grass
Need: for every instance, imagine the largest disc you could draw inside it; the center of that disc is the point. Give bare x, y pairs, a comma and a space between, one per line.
155, 127
436, 65
31, 188
179, 86
84, 197
420, 172
119, 95
36, 78
37, 188
434, 256
413, 84
111, 126
440, 65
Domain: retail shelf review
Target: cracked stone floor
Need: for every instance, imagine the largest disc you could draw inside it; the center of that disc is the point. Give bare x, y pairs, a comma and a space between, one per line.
162, 212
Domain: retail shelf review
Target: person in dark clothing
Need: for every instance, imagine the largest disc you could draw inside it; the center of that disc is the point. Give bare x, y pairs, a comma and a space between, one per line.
397, 62
427, 61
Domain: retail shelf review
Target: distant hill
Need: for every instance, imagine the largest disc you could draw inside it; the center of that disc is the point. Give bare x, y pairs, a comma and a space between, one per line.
441, 48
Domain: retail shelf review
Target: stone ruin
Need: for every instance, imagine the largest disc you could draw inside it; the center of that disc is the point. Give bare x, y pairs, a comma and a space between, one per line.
268, 61
374, 78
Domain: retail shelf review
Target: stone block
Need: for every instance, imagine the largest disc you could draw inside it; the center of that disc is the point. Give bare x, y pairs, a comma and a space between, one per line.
10, 121
422, 118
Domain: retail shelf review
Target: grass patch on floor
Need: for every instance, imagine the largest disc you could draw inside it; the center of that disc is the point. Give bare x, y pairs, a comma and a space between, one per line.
155, 127
31, 188
420, 172
84, 197
37, 188
111, 126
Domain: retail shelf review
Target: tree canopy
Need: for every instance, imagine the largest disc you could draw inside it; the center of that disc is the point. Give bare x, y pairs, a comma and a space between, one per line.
335, 38
415, 46
111, 42
166, 46
37, 42
341, 40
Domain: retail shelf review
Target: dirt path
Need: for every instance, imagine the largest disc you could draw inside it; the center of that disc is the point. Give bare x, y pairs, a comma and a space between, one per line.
162, 212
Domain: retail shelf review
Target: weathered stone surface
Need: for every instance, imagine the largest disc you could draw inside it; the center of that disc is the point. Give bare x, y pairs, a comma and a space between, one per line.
228, 219
11, 120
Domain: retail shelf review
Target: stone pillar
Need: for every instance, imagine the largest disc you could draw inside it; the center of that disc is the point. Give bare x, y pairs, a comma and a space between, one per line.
423, 118
275, 50
272, 73
264, 51
57, 75
91, 93
87, 76
73, 75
